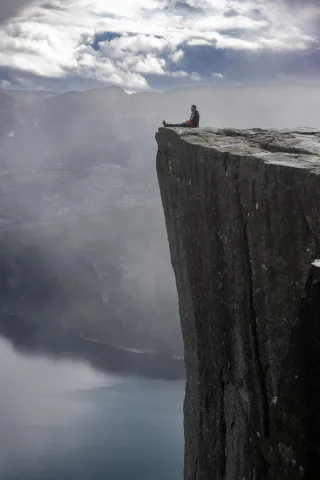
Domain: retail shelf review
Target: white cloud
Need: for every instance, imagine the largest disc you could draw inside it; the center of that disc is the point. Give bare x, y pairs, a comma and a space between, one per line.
221, 23
179, 74
57, 41
198, 41
196, 77
218, 75
177, 55
5, 84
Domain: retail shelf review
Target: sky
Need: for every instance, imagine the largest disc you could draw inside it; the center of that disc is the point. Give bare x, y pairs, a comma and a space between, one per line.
143, 45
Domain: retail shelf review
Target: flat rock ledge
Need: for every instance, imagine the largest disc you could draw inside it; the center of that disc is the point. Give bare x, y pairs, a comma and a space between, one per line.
242, 214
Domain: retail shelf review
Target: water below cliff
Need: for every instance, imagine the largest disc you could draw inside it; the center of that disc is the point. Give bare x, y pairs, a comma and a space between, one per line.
61, 419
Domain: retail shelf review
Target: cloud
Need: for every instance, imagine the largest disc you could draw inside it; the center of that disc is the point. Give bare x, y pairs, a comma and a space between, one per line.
130, 42
218, 75
10, 8
4, 84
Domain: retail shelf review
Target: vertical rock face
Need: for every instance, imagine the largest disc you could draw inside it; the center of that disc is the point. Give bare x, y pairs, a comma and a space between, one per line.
242, 215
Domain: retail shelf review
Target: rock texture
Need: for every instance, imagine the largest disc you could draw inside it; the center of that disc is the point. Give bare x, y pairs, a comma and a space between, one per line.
242, 215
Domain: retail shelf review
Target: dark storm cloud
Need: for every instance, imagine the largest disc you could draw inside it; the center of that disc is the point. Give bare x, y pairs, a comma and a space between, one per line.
181, 5
231, 13
10, 8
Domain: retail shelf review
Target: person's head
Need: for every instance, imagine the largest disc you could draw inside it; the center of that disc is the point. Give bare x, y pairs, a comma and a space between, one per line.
193, 108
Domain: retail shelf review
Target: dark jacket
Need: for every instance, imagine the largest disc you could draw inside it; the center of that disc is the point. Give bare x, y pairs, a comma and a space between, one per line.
195, 118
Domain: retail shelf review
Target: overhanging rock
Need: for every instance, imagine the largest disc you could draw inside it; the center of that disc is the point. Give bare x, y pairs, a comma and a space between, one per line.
242, 215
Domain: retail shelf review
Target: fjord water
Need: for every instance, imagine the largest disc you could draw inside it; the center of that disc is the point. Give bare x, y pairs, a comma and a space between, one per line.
62, 420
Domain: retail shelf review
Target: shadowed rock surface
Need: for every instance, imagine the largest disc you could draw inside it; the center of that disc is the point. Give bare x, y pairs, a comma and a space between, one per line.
242, 215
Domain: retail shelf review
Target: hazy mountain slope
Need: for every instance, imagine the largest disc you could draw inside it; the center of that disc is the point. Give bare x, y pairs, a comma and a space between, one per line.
82, 242
6, 113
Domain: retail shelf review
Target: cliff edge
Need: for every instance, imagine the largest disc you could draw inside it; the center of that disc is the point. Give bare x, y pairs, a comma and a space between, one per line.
242, 216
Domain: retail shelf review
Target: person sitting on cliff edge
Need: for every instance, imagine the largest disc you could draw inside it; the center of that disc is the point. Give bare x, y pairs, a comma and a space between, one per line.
193, 122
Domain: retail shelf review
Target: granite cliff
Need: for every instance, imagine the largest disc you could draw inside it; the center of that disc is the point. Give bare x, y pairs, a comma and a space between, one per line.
242, 216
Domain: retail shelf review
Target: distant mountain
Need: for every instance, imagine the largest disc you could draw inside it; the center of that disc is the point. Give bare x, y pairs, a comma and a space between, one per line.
25, 97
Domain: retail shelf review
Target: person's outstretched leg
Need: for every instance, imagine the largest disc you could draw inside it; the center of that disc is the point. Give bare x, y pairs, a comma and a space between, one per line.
184, 124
